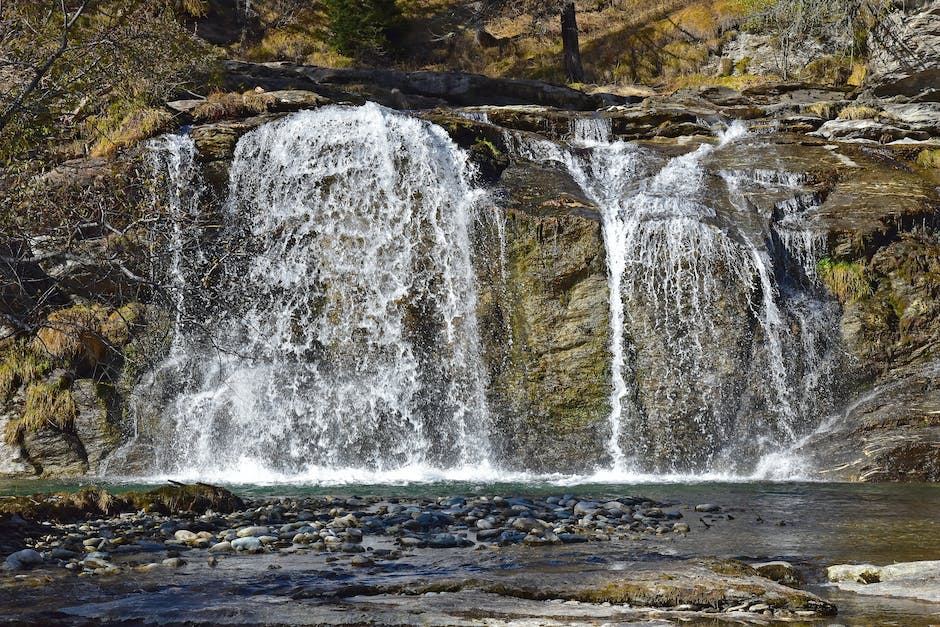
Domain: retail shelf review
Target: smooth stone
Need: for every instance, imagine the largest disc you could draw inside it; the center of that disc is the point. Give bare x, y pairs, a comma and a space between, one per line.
361, 561
174, 562
582, 508
22, 559
681, 528
247, 543
221, 547
245, 532
185, 535
707, 508
96, 563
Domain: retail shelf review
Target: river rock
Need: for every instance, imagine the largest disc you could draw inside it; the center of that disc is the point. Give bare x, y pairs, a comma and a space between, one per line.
252, 531
22, 559
916, 580
251, 544
781, 572
221, 547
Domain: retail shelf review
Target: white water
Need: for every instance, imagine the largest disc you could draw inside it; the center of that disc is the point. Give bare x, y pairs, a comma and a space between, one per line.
349, 338
344, 347
685, 279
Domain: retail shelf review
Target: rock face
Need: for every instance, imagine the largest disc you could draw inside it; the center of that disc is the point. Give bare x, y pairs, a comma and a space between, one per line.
544, 317
412, 90
540, 259
904, 60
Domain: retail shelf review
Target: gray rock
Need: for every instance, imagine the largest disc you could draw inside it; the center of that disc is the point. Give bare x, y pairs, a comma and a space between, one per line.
252, 531
221, 547
22, 559
250, 544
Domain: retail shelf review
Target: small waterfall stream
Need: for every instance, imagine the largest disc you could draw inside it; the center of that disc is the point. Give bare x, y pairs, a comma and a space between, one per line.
339, 337
719, 356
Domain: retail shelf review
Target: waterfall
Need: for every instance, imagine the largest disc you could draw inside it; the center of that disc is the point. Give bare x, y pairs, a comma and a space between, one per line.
326, 325
345, 333
718, 356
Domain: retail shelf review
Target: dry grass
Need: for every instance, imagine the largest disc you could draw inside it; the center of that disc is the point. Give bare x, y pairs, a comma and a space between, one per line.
19, 366
46, 405
72, 335
928, 158
733, 82
859, 112
825, 110
133, 128
224, 105
81, 335
848, 282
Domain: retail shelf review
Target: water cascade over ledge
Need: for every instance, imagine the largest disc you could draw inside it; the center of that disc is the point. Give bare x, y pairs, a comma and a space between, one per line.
339, 340
346, 337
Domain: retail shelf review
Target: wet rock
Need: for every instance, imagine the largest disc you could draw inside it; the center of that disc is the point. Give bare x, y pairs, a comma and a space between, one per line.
781, 572
707, 507
222, 547
251, 544
22, 559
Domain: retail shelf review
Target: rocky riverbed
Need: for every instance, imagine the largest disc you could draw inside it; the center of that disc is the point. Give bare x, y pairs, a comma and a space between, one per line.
201, 555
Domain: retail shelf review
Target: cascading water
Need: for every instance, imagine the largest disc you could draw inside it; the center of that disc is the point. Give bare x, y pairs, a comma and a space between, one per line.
329, 329
718, 356
346, 336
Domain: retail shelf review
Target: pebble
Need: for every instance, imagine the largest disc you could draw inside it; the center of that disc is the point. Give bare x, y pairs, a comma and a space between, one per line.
351, 525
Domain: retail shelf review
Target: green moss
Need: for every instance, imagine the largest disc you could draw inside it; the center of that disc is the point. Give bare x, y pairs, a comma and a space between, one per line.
849, 282
488, 145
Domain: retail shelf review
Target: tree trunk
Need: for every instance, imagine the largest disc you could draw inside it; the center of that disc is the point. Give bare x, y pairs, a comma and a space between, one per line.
569, 45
